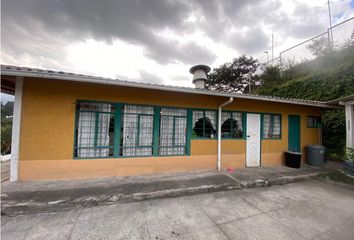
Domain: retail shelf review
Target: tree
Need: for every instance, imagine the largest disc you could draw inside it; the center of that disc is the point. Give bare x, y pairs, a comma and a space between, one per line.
270, 76
234, 76
319, 47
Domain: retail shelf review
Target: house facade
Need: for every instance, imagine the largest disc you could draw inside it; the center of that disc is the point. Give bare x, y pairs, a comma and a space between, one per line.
69, 126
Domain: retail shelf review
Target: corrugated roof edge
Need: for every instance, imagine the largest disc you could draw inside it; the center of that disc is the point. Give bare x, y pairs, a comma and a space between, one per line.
60, 75
341, 99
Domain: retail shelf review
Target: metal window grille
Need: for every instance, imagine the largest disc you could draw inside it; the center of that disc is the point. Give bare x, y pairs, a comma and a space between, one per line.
231, 125
94, 130
267, 127
313, 122
137, 131
271, 126
173, 132
204, 123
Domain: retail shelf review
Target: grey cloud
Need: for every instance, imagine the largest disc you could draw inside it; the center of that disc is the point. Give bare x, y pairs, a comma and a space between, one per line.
42, 28
305, 22
250, 41
149, 77
132, 21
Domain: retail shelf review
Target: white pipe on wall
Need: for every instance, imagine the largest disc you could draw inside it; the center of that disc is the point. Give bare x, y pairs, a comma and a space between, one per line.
219, 130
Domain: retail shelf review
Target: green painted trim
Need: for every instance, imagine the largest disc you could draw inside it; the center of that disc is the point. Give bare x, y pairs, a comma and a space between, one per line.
117, 129
137, 135
216, 122
174, 131
156, 131
96, 130
75, 131
243, 125
271, 125
290, 137
189, 131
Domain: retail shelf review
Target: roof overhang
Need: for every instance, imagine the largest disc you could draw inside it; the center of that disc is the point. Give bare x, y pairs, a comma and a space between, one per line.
342, 101
11, 71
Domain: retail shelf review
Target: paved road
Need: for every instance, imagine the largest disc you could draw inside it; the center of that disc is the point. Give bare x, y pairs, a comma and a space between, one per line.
304, 210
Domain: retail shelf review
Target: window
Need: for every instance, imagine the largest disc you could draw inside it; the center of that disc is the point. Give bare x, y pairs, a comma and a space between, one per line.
137, 130
173, 132
94, 130
271, 126
313, 122
204, 124
105, 130
231, 126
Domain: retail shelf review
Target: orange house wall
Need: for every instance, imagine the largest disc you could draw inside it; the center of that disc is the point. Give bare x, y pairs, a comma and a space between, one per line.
47, 132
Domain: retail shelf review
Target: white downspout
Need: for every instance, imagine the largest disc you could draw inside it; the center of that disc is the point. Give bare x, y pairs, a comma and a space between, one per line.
219, 130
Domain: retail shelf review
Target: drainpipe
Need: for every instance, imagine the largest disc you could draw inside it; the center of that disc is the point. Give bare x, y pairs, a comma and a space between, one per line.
219, 129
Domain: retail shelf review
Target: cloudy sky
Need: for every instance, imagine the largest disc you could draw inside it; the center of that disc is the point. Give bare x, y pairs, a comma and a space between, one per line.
155, 40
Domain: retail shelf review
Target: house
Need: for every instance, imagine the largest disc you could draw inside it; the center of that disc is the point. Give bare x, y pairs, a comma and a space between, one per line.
348, 103
70, 126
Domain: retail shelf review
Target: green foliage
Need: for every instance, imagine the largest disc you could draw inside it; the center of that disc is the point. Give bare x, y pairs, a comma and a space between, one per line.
6, 127
271, 76
349, 155
320, 47
234, 76
325, 78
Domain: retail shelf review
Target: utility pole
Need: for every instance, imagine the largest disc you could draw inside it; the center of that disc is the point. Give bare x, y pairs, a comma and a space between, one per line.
330, 23
249, 83
272, 48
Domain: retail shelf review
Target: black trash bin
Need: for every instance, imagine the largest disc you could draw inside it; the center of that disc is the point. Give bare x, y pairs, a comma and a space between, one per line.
315, 155
293, 159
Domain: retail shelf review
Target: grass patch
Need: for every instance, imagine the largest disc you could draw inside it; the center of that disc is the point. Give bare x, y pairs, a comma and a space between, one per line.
337, 176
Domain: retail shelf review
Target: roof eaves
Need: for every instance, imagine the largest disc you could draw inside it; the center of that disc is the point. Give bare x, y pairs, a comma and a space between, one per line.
59, 75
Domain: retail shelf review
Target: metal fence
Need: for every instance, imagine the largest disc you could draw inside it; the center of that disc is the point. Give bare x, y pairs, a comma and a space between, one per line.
337, 37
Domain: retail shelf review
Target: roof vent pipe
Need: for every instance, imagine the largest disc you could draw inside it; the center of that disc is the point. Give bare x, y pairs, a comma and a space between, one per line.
199, 75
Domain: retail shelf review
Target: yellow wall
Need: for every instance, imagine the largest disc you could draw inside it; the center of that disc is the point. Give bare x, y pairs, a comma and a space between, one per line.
47, 132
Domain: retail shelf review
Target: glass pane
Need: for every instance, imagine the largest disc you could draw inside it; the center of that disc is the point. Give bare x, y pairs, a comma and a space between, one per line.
146, 130
166, 131
173, 130
276, 126
173, 112
86, 129
210, 124
99, 107
237, 125
267, 126
105, 134
198, 124
180, 131
138, 109
226, 124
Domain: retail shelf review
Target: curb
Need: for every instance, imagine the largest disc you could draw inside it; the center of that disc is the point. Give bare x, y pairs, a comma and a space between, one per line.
12, 208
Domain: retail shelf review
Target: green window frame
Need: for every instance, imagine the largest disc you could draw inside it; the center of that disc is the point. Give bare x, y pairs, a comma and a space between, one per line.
233, 125
137, 124
271, 126
204, 123
117, 130
313, 122
94, 130
173, 139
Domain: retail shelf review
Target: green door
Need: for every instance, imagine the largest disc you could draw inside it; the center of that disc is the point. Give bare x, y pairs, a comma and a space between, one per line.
294, 133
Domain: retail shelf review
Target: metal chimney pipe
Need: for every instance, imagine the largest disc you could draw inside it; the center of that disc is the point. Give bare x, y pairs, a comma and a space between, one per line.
199, 75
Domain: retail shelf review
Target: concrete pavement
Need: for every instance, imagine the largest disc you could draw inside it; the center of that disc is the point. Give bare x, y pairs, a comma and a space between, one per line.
47, 196
302, 210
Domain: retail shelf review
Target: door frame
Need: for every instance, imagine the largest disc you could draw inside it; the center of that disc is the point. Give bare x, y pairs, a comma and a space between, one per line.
260, 138
299, 117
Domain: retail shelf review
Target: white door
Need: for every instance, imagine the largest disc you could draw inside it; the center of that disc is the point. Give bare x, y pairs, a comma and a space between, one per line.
253, 133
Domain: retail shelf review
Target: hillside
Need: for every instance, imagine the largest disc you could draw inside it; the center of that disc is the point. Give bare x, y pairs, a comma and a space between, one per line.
325, 78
